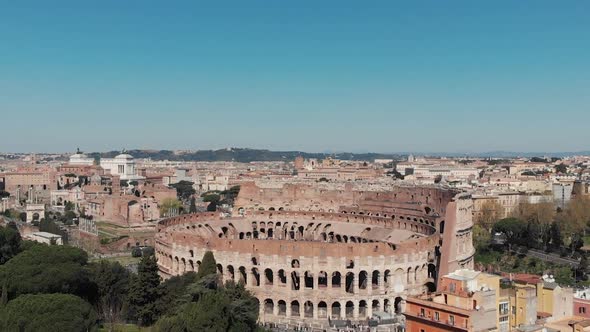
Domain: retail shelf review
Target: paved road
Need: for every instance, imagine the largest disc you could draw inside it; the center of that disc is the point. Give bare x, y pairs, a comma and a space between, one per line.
552, 258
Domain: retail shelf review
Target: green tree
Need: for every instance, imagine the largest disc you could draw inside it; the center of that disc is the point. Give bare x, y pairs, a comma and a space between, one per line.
208, 265
210, 313
112, 282
144, 292
561, 169
10, 242
48, 312
514, 230
169, 205
48, 269
173, 292
184, 189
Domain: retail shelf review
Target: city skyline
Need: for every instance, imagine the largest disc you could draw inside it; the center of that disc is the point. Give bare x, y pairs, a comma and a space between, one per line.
336, 76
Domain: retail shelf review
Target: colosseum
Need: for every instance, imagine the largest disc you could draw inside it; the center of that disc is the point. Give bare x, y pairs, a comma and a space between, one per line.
310, 253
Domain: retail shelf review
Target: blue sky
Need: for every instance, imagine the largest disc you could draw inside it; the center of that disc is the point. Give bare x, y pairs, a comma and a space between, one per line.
385, 76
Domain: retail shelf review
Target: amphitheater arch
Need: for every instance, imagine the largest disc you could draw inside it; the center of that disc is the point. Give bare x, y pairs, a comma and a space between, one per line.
322, 279
268, 277
308, 309
231, 273
308, 279
243, 277
375, 306
282, 277
282, 308
336, 279
322, 310
350, 282
375, 279
349, 310
256, 276
398, 305
295, 308
269, 306
336, 310
362, 309
363, 278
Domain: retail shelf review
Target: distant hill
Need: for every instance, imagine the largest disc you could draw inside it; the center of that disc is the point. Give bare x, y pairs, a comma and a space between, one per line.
242, 155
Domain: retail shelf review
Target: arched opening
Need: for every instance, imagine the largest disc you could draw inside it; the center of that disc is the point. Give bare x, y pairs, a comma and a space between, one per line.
350, 282
282, 277
243, 277
430, 287
397, 304
336, 310
375, 279
282, 308
363, 277
362, 309
295, 263
219, 269
308, 278
387, 306
375, 306
35, 216
295, 280
308, 309
268, 277
349, 310
322, 279
269, 306
269, 233
231, 273
442, 227
387, 278
256, 276
322, 310
409, 277
295, 309
336, 280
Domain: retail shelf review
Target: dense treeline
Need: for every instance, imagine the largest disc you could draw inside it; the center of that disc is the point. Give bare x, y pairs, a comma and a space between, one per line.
56, 288
242, 155
503, 243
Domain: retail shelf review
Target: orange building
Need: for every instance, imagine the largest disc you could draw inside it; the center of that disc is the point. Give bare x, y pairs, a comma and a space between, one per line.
464, 303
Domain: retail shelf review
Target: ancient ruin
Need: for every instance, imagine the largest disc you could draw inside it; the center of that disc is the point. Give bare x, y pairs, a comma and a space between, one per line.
313, 252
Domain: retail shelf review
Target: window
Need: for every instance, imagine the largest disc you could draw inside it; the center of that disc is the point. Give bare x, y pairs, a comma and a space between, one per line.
436, 316
121, 169
503, 308
422, 312
451, 319
582, 310
504, 319
514, 310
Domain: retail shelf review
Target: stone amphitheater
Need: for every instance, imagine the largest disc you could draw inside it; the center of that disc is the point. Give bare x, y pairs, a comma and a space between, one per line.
310, 253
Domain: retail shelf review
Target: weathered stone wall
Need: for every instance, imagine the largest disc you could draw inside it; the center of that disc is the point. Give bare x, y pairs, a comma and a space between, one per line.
308, 252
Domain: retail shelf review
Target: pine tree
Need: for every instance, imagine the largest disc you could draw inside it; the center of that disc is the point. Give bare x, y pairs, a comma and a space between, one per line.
208, 265
144, 292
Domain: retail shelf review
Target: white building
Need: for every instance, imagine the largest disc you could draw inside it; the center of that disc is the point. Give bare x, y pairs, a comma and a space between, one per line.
80, 159
122, 165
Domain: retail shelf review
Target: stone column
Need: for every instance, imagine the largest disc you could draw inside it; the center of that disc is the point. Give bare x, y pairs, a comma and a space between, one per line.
288, 309
316, 310
343, 310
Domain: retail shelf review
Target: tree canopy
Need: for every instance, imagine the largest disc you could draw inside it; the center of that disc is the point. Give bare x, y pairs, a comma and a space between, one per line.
144, 292
10, 242
48, 312
48, 269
